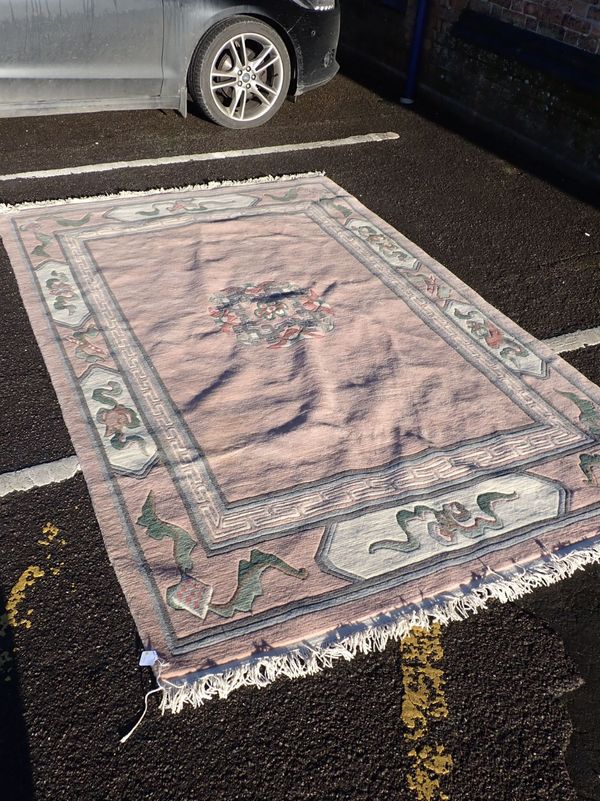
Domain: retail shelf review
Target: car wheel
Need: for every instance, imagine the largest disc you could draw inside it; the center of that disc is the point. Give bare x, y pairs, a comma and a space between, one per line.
240, 73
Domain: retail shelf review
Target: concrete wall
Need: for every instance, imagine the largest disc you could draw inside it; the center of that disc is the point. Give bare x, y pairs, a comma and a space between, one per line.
557, 115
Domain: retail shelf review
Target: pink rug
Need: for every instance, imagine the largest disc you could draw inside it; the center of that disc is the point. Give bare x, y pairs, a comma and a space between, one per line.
300, 433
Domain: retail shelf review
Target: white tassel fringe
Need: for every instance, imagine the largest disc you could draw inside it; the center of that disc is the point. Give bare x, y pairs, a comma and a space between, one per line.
6, 208
375, 634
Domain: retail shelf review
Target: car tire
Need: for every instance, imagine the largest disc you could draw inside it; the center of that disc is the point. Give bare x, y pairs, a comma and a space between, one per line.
235, 94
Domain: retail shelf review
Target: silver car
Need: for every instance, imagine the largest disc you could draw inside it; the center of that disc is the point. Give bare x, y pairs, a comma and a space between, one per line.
238, 62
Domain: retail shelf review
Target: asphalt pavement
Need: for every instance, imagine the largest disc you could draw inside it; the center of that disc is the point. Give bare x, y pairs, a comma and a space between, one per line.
521, 682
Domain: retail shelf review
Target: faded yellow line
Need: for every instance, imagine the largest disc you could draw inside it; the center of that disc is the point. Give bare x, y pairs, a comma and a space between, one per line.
51, 533
12, 617
424, 701
17, 595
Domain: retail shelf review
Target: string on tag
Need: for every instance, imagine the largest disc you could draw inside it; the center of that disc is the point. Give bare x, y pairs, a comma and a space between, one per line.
147, 659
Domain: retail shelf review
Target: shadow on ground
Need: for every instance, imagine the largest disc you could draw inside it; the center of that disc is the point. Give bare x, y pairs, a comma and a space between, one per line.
572, 610
508, 683
389, 85
15, 769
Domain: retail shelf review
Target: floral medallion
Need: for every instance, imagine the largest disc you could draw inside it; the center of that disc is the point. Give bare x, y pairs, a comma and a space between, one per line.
277, 315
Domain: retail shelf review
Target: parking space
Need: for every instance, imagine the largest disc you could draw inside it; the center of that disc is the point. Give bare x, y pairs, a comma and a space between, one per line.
517, 683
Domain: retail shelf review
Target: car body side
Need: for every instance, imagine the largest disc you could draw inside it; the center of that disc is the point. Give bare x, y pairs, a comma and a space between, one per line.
164, 35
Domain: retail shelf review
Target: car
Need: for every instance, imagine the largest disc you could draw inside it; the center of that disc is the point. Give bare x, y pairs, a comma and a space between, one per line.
237, 61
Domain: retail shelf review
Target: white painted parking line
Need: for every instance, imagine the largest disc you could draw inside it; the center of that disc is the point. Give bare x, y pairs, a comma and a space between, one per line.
574, 341
193, 157
39, 475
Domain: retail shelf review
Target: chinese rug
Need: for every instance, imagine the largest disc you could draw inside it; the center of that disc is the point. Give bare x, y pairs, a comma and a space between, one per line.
301, 435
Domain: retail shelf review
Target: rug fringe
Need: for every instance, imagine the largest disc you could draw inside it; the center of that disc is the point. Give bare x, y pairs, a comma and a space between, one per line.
6, 208
374, 635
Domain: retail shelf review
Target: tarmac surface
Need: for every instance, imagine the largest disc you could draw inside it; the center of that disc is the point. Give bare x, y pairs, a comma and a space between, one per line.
521, 681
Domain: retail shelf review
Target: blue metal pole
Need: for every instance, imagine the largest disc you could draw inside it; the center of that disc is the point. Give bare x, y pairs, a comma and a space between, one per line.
416, 46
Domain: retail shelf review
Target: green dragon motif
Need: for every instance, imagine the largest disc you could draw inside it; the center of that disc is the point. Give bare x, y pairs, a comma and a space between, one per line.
40, 250
73, 223
291, 194
117, 417
449, 522
158, 529
589, 415
194, 596
338, 206
589, 463
249, 585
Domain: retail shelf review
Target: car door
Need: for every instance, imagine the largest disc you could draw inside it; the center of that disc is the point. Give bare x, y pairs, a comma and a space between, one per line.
77, 50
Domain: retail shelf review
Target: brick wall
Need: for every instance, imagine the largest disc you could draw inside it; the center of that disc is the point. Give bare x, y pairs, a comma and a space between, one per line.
574, 22
477, 82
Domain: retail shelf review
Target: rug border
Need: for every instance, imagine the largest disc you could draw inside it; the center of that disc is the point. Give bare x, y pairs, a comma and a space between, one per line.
374, 636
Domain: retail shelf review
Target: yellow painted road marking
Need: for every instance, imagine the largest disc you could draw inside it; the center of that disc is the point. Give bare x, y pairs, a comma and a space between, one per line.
424, 701
51, 533
17, 595
12, 618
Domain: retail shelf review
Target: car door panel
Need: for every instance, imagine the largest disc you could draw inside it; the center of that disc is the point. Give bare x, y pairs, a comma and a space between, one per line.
69, 50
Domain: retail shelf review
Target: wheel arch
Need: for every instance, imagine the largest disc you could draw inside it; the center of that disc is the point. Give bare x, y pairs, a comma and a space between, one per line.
291, 48
196, 34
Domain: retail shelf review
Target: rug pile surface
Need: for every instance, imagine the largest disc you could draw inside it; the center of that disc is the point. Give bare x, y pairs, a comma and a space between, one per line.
301, 434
